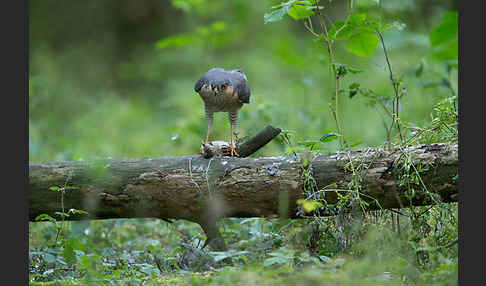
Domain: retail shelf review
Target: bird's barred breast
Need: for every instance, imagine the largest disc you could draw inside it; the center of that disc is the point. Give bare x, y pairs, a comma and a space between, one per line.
226, 101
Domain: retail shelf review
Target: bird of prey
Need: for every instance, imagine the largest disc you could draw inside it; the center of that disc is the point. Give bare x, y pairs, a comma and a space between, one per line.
223, 91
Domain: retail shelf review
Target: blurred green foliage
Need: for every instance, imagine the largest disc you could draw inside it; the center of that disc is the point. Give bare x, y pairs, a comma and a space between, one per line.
116, 78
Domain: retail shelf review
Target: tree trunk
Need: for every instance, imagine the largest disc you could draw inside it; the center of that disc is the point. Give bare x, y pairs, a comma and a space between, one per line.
204, 190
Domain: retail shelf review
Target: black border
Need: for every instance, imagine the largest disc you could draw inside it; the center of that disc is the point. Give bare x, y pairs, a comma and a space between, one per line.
14, 211
471, 203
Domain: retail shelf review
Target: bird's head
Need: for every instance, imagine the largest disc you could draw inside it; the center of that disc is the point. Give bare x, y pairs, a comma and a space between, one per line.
218, 81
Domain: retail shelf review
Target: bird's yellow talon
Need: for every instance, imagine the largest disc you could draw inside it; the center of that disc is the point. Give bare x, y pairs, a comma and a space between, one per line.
201, 148
233, 151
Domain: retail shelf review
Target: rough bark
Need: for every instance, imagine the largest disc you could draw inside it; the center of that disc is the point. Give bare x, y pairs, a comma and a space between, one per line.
204, 190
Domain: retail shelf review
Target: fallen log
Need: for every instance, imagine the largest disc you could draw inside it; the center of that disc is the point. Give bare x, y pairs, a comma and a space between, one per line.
205, 190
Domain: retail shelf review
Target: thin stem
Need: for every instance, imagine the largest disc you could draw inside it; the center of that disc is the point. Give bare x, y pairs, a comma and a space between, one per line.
333, 68
395, 86
309, 28
386, 127
398, 212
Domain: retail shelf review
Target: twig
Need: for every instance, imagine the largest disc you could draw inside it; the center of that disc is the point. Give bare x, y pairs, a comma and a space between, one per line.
245, 149
190, 173
398, 212
206, 175
310, 28
425, 211
261, 139
451, 243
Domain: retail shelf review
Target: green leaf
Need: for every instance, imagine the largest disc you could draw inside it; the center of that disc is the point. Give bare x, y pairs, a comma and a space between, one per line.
62, 214
353, 70
49, 258
444, 38
175, 41
45, 217
325, 259
276, 15
68, 252
274, 260
54, 188
446, 31
353, 89
75, 211
309, 205
362, 44
300, 11
329, 137
357, 19
70, 188
447, 51
341, 71
340, 31
309, 143
354, 85
220, 255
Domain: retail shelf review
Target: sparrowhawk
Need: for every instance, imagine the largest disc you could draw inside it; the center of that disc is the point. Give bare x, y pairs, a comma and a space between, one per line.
223, 90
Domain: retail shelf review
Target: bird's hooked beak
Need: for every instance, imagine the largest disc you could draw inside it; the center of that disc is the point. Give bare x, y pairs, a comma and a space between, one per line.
217, 90
213, 89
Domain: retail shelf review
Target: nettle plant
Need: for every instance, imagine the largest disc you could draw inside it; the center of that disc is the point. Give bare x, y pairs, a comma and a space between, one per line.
361, 35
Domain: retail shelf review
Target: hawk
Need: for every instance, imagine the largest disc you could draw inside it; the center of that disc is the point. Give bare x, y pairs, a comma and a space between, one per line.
223, 91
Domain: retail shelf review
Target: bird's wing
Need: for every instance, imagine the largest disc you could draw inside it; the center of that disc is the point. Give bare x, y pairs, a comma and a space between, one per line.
240, 85
199, 85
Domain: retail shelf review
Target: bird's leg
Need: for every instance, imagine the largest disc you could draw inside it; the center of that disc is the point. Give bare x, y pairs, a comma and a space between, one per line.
232, 145
233, 117
209, 121
207, 136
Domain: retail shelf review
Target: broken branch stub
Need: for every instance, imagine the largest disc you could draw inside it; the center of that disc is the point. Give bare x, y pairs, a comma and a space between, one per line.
245, 149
